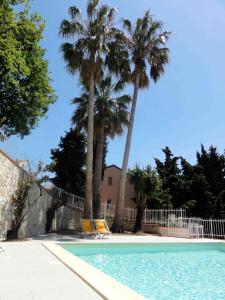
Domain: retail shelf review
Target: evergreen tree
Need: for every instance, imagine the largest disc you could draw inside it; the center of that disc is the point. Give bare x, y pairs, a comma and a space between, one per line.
68, 162
199, 188
172, 180
213, 167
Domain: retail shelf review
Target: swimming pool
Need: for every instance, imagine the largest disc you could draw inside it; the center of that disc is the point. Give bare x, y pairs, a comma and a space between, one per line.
161, 271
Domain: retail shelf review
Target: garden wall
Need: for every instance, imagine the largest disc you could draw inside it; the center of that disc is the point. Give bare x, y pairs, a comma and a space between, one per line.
36, 205
67, 219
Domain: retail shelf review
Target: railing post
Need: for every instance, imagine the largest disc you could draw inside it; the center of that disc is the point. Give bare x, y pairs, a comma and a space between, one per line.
144, 221
211, 225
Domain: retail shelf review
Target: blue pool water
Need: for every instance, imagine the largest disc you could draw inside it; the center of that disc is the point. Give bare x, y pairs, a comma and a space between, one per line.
161, 272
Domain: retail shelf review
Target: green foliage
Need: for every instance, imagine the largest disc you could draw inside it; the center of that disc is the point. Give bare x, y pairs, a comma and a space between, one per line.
144, 181
85, 54
68, 162
25, 92
146, 184
91, 37
110, 110
169, 173
18, 202
199, 188
141, 46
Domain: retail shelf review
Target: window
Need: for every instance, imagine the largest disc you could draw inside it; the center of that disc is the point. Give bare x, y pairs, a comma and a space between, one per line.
109, 180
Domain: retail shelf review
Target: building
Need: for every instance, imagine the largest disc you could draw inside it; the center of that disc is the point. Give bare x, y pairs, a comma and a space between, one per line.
110, 187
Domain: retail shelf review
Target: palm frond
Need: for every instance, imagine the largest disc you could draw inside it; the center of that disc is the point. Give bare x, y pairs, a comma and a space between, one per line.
91, 38
146, 21
74, 12
165, 36
71, 29
138, 25
105, 83
91, 7
159, 57
127, 25
72, 57
145, 45
119, 86
111, 14
153, 30
110, 113
124, 101
102, 12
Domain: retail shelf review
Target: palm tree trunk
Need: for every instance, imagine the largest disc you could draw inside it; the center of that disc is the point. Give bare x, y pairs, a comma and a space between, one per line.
97, 180
139, 216
118, 219
88, 213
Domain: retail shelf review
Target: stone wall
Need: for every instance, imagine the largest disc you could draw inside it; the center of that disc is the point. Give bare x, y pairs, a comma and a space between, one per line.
36, 205
37, 201
67, 219
10, 176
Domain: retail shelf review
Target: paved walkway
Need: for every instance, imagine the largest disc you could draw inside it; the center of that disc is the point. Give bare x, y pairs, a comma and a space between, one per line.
28, 271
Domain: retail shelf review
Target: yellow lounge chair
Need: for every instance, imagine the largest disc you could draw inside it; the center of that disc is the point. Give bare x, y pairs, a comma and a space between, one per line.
88, 228
101, 227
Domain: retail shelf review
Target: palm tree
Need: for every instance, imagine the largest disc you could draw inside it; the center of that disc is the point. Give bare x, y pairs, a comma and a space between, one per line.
110, 118
85, 55
145, 43
146, 184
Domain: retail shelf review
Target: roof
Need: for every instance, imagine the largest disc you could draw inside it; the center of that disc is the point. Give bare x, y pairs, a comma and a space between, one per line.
113, 166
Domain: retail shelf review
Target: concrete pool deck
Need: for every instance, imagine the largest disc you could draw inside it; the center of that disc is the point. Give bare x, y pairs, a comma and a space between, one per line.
29, 271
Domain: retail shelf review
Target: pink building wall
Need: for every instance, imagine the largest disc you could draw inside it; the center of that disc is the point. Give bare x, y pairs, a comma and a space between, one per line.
110, 187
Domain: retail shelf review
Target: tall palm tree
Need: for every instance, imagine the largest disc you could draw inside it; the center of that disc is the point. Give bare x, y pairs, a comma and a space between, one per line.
110, 118
145, 43
85, 55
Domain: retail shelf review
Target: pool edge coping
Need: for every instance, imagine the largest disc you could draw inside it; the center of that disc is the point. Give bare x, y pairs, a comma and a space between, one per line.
111, 289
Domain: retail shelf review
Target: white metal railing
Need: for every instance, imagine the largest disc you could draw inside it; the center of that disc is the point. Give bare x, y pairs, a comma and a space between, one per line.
154, 216
175, 219
129, 214
107, 210
197, 227
67, 198
185, 227
151, 216
214, 228
161, 216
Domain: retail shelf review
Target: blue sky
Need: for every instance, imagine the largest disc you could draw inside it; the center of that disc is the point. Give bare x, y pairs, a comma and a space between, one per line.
185, 108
